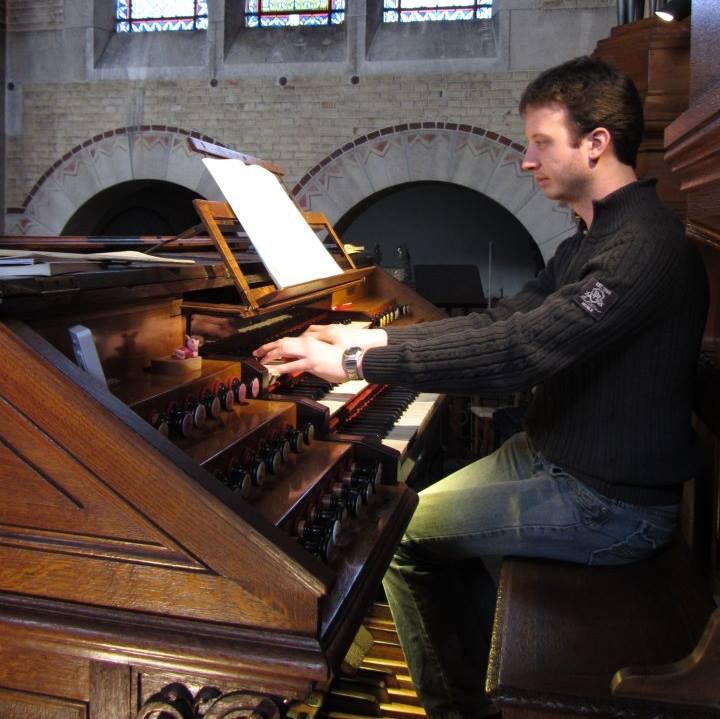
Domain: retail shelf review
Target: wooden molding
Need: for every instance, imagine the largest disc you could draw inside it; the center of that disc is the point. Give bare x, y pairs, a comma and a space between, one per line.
269, 661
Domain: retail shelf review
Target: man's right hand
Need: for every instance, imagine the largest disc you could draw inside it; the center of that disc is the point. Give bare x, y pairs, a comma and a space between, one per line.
344, 336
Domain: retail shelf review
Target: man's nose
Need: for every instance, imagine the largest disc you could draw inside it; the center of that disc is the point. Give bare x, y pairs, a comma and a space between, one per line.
529, 161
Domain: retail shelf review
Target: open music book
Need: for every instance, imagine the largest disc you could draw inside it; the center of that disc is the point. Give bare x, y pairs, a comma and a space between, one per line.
290, 250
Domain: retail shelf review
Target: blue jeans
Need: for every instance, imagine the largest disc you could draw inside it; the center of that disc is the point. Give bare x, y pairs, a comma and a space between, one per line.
513, 502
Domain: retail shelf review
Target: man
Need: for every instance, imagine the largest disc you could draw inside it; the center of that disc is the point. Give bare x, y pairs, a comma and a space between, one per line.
607, 336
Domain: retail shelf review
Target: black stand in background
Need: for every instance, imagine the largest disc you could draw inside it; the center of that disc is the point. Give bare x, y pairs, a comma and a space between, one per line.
457, 289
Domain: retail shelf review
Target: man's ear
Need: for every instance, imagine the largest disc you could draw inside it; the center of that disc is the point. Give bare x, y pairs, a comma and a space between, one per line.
599, 140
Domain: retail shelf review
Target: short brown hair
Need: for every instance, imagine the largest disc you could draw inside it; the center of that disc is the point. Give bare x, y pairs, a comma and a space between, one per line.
595, 94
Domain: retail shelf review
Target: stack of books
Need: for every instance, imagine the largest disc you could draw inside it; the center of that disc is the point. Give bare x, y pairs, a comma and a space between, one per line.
20, 263
33, 267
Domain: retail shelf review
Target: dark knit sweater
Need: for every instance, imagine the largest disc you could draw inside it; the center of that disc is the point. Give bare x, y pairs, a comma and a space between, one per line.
612, 363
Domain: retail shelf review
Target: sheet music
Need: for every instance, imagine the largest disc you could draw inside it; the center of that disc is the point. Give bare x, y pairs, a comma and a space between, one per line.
291, 252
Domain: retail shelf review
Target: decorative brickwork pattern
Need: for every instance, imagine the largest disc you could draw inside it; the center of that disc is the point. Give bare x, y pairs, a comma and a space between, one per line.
34, 14
296, 125
434, 151
153, 152
410, 152
339, 143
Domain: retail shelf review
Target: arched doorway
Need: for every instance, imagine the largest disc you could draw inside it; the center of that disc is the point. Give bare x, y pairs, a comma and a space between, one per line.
69, 197
137, 207
443, 225
462, 155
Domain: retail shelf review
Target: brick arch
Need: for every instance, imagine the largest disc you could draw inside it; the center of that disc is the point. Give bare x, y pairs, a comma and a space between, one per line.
434, 151
146, 152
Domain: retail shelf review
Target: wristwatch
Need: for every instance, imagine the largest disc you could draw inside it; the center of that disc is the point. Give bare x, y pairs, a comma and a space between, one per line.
350, 359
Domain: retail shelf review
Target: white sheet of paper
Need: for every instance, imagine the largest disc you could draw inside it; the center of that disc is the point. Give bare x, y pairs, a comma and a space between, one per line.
291, 252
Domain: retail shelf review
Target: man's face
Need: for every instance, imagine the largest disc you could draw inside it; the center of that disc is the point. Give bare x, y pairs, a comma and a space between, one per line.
559, 165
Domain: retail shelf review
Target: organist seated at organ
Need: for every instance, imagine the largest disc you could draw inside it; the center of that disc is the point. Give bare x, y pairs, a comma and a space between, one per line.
608, 335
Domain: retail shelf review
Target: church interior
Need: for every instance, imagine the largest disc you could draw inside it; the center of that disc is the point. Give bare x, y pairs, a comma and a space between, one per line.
208, 541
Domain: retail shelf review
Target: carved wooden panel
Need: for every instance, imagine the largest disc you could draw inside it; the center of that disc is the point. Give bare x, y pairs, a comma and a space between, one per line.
50, 502
177, 701
23, 705
87, 464
38, 670
693, 152
112, 695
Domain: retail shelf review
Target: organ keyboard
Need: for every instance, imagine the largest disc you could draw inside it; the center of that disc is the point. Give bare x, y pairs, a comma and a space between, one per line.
193, 529
393, 416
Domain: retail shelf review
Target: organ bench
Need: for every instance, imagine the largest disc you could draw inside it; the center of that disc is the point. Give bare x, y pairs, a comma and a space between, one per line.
640, 640
571, 640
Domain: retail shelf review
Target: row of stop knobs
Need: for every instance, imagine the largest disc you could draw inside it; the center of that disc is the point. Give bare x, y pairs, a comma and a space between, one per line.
389, 316
250, 468
320, 532
180, 418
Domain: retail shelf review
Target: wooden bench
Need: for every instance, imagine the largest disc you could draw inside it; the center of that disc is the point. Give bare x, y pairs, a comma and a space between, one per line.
638, 640
571, 640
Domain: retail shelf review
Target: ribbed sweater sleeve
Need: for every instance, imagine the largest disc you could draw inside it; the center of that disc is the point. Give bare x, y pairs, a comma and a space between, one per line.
530, 296
526, 348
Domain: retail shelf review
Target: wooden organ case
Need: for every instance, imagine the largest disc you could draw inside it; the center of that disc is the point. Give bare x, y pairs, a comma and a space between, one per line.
147, 567
692, 144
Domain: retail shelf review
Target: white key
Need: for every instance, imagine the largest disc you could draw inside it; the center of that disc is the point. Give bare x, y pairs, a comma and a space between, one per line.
411, 419
338, 396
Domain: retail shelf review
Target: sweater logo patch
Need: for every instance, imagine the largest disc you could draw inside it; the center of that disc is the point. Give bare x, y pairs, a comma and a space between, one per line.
595, 299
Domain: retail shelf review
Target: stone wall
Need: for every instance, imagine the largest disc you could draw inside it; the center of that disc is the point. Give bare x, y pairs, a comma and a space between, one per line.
34, 14
296, 125
293, 96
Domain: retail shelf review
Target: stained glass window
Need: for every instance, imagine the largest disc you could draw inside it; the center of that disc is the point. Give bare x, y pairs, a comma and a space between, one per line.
290, 13
429, 10
160, 15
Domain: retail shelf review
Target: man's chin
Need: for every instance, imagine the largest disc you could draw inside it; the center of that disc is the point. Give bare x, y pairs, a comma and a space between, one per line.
555, 195
550, 193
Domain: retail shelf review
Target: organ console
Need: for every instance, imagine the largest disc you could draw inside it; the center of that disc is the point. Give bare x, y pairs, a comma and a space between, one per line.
197, 535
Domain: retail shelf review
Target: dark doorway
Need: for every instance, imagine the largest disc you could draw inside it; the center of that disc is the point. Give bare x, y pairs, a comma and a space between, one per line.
444, 224
138, 207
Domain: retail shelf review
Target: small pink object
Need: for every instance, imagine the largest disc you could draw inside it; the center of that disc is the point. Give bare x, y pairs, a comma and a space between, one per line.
190, 349
192, 344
